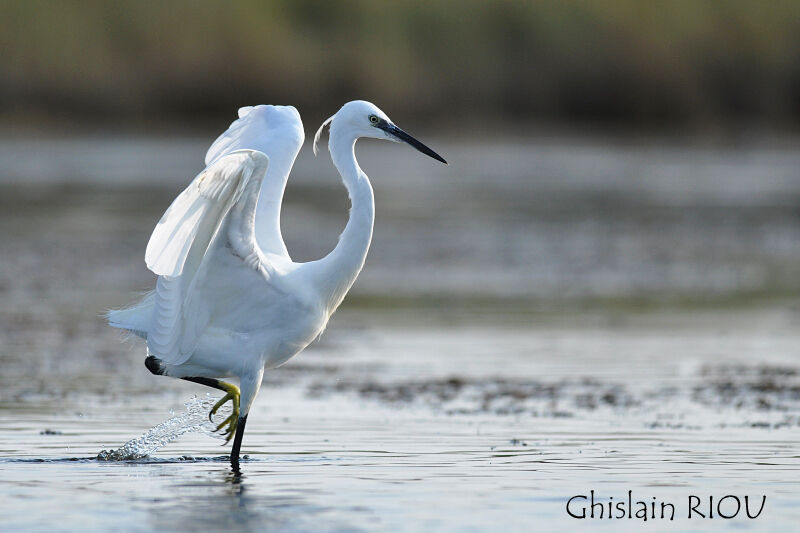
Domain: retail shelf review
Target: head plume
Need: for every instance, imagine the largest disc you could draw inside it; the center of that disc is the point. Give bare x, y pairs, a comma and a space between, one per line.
319, 132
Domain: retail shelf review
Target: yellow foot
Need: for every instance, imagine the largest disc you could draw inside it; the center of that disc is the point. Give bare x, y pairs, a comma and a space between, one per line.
232, 421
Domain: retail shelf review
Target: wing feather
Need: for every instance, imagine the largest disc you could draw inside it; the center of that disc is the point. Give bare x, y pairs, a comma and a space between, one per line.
216, 203
278, 132
194, 216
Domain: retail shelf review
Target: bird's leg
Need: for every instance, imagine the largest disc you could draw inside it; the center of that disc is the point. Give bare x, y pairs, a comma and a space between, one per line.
237, 444
250, 383
231, 394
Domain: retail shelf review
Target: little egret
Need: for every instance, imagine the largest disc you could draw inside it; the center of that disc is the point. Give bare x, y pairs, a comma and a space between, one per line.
229, 301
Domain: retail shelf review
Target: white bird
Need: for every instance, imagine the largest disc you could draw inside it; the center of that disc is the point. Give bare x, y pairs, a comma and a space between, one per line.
229, 301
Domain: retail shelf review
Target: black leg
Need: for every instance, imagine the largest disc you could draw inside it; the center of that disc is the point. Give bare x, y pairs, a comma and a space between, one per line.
208, 382
237, 444
232, 393
154, 365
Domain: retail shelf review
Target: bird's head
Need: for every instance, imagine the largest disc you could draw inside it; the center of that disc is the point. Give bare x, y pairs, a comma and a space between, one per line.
363, 119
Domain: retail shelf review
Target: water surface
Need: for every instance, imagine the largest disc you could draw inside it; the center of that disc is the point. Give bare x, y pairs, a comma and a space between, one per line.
536, 321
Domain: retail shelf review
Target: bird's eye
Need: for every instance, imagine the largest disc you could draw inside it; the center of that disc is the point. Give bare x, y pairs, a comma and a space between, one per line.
373, 119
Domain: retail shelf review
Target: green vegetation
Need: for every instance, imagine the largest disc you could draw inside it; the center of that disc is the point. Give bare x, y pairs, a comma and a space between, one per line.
681, 63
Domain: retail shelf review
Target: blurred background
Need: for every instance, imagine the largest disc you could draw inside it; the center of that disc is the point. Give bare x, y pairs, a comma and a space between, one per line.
688, 66
602, 153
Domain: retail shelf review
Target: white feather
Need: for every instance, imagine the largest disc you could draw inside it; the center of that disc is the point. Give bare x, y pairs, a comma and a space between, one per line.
229, 301
319, 132
263, 128
194, 216
278, 132
193, 225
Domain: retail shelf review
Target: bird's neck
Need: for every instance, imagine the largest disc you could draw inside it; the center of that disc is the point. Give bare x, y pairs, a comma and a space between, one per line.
341, 267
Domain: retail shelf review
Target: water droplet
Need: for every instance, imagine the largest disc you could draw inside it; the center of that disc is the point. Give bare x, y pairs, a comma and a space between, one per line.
194, 419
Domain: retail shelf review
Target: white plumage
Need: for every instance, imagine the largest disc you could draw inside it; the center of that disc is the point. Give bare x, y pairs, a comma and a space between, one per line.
229, 301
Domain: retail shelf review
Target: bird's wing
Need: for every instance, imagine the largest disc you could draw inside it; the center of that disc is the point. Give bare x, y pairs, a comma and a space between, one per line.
192, 219
276, 131
244, 133
217, 209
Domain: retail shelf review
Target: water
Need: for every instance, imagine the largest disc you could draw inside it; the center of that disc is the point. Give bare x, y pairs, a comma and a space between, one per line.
511, 346
453, 428
196, 418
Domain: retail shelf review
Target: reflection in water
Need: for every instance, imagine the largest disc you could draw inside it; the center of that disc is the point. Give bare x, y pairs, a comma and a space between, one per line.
235, 477
216, 501
224, 500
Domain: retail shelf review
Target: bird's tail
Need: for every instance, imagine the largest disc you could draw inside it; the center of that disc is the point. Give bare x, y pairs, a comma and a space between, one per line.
134, 318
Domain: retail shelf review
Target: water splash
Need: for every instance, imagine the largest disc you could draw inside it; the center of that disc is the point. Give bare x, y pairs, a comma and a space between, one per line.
194, 419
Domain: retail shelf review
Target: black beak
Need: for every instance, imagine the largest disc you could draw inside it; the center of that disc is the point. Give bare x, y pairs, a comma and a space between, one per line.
396, 132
